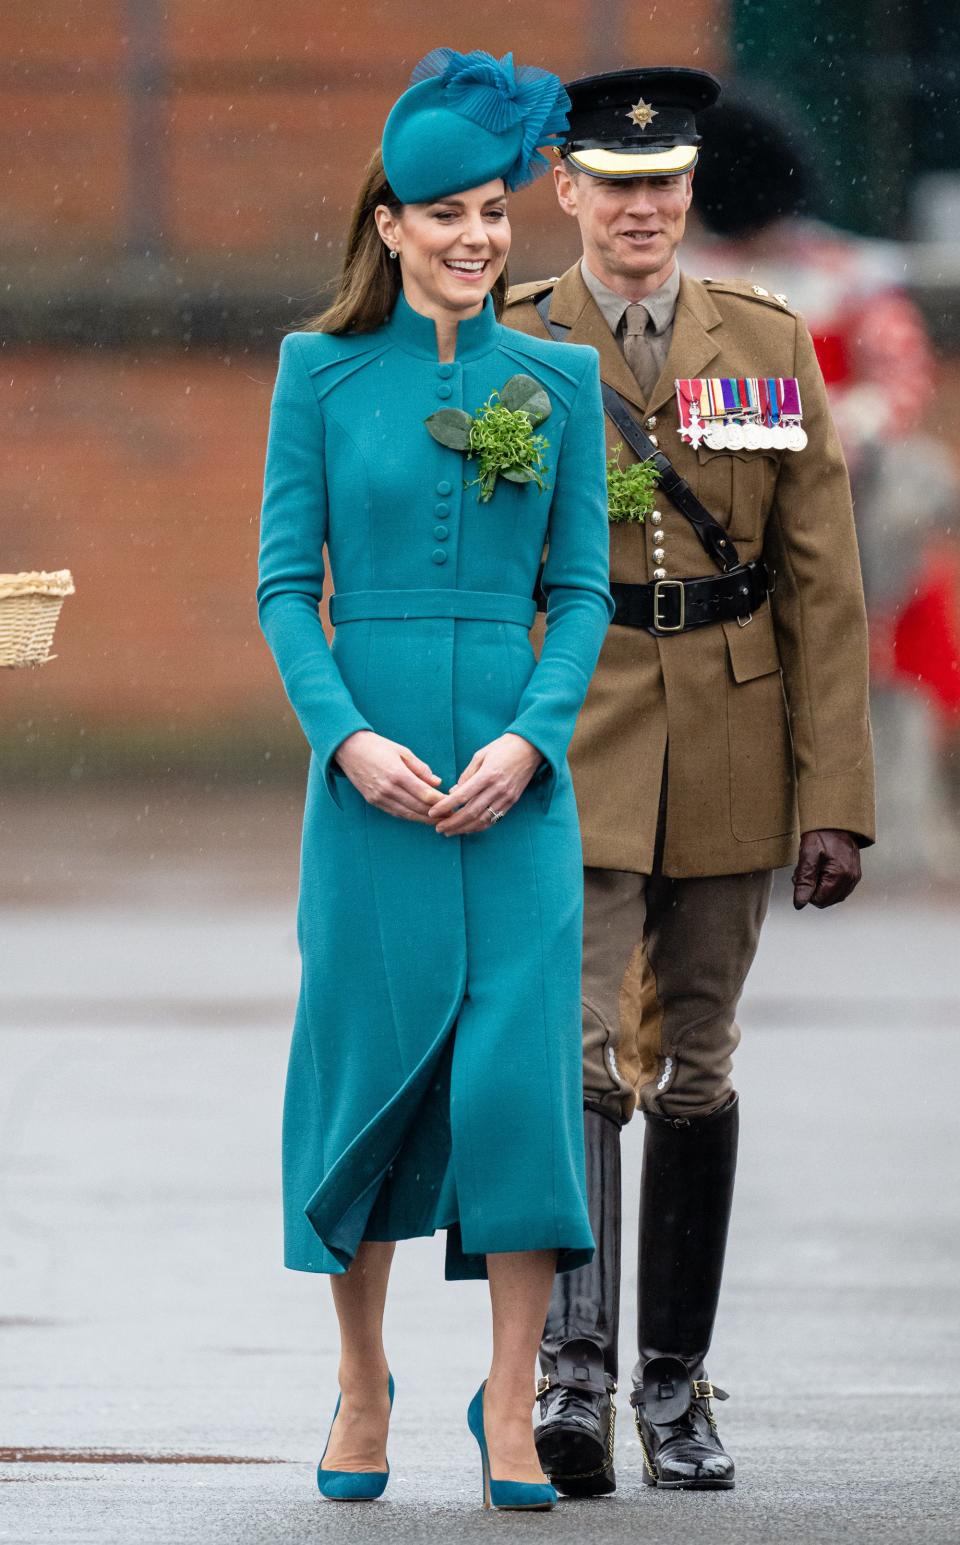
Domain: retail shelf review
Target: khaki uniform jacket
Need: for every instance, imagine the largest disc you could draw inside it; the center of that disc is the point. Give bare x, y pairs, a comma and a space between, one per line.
767, 723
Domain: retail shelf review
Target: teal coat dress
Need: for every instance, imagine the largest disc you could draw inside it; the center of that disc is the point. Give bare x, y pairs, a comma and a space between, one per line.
434, 1077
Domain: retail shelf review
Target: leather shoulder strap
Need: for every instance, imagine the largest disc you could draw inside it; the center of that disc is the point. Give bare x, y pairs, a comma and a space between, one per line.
710, 533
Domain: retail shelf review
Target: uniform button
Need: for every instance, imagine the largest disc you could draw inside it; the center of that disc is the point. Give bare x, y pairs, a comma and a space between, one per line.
652, 421
443, 487
659, 573
659, 553
443, 510
438, 555
444, 371
443, 390
657, 518
441, 533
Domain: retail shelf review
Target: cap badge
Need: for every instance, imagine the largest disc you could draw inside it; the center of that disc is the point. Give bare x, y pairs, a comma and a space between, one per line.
642, 114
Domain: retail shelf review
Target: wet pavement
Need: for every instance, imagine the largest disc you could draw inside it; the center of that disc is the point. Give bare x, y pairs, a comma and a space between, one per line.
164, 1379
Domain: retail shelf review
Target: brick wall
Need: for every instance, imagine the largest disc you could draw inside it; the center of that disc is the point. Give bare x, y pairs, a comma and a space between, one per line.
220, 138
263, 115
143, 476
141, 471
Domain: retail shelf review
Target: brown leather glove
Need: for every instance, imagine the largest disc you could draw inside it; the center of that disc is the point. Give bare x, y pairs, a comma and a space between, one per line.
828, 868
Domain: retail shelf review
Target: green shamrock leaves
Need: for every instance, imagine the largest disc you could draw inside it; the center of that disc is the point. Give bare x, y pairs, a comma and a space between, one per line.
500, 435
631, 491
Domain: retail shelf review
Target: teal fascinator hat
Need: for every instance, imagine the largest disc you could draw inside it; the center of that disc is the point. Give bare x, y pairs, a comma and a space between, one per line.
468, 118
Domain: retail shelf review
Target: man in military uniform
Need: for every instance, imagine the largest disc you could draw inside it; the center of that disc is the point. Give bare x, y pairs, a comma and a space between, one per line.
726, 729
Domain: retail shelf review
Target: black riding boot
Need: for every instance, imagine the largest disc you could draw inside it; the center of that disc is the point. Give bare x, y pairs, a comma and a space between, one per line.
578, 1354
685, 1200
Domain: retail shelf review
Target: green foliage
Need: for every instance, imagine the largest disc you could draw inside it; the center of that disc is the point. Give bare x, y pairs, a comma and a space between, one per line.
500, 435
522, 394
451, 426
502, 442
631, 491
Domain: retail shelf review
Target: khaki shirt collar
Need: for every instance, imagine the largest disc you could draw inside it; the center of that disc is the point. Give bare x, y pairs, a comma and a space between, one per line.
661, 305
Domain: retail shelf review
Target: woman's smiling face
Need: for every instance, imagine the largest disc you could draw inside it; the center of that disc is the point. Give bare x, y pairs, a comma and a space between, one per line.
453, 250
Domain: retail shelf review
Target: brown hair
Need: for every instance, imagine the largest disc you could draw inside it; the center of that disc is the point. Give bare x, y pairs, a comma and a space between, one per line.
370, 281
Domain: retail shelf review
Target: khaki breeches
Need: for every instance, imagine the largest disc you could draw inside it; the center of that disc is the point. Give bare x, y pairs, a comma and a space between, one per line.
664, 963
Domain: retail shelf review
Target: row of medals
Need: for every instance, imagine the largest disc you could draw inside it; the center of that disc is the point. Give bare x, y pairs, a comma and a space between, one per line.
754, 437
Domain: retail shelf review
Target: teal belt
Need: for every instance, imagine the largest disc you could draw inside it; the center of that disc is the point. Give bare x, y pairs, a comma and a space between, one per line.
470, 605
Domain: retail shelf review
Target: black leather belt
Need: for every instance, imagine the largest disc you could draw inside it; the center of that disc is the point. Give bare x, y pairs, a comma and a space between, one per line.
677, 605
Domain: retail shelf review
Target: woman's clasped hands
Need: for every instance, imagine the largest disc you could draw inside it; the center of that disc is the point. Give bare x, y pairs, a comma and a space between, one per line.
493, 780
391, 777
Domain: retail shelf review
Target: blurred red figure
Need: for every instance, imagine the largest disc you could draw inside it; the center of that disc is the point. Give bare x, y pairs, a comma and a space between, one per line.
870, 338
880, 370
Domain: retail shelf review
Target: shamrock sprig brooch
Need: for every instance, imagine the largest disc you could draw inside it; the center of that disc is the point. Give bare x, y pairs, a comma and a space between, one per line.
500, 435
631, 491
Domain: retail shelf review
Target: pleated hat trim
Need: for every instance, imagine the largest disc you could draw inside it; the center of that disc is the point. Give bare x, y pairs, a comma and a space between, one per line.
498, 95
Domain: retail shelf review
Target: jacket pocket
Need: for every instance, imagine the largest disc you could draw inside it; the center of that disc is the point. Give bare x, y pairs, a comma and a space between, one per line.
737, 488
752, 647
762, 780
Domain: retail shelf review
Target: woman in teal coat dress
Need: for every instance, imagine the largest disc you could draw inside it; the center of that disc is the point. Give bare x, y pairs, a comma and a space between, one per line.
434, 1077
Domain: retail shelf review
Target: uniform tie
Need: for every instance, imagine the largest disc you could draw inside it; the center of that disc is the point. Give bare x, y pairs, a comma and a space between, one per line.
636, 346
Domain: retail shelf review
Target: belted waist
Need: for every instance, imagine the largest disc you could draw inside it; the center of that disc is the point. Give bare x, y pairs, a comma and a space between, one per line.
677, 605
469, 605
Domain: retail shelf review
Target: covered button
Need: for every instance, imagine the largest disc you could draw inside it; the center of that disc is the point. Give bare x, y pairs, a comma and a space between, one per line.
438, 555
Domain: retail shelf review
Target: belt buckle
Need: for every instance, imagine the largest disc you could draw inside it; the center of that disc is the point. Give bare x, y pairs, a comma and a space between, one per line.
658, 589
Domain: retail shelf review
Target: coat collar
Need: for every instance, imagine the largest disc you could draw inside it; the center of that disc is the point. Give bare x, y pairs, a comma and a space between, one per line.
692, 346
416, 334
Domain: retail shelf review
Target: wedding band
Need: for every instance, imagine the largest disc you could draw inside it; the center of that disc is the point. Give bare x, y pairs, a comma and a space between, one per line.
495, 815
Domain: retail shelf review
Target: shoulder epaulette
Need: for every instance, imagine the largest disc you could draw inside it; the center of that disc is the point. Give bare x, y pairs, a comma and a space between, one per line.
521, 292
749, 291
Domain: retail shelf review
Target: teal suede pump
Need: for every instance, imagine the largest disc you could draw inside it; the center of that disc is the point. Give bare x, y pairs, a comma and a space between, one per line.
352, 1485
504, 1494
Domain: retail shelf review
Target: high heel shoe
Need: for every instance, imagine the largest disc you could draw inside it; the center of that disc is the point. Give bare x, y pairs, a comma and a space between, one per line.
504, 1494
352, 1485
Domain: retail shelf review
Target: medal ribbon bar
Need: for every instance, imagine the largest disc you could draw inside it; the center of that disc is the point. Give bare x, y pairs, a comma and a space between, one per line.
741, 413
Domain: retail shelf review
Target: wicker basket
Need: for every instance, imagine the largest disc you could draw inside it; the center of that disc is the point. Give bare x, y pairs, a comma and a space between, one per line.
29, 607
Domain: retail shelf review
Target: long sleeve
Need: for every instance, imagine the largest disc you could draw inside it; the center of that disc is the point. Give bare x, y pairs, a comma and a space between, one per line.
820, 620
293, 528
576, 584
